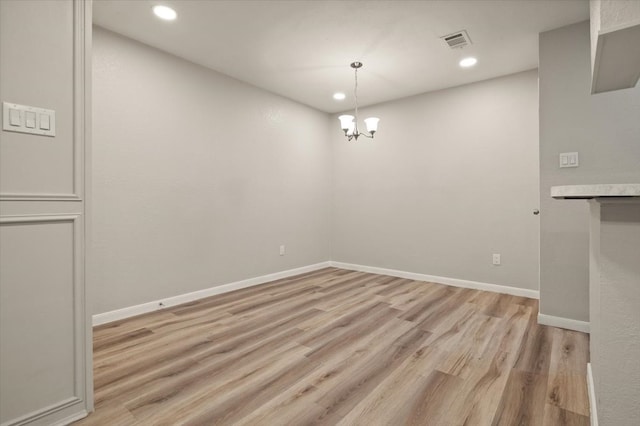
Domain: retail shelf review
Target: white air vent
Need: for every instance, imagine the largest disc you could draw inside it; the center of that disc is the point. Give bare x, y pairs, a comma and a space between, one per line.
457, 40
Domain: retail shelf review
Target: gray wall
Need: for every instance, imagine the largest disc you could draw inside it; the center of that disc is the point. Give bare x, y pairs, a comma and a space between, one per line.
605, 130
198, 178
450, 179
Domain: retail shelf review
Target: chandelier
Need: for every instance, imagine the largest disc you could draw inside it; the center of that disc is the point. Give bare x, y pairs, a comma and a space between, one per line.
349, 123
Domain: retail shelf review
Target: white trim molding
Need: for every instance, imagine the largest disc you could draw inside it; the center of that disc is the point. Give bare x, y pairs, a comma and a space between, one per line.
569, 324
455, 282
593, 409
39, 197
155, 305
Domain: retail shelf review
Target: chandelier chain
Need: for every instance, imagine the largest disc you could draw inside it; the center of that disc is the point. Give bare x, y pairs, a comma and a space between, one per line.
355, 95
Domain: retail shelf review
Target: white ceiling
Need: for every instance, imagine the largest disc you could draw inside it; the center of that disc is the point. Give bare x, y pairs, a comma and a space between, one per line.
302, 49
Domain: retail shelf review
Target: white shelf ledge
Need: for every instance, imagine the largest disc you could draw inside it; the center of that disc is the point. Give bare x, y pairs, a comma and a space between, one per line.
596, 191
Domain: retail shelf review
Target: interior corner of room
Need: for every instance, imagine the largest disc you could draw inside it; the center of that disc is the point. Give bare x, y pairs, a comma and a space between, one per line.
136, 177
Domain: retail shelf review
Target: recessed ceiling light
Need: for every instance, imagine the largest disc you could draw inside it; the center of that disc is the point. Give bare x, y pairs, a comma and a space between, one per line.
165, 12
339, 96
468, 62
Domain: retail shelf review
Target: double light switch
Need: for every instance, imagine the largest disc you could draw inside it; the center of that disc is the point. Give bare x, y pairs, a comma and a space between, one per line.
27, 119
569, 159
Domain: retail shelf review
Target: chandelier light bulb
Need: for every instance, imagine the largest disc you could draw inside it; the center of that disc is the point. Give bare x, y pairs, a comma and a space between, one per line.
351, 129
346, 121
372, 124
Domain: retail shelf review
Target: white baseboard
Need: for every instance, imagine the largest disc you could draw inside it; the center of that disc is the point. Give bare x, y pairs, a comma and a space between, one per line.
495, 288
593, 411
569, 324
144, 308
72, 418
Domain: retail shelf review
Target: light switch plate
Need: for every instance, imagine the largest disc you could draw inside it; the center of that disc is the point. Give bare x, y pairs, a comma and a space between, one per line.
36, 121
569, 159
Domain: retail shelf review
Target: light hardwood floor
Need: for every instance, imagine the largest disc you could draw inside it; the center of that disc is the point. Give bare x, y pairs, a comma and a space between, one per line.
341, 347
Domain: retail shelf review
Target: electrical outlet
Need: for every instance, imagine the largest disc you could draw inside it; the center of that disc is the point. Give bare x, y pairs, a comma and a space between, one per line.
496, 258
282, 250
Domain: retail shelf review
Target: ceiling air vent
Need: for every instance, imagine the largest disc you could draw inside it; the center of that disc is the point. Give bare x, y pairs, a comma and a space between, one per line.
457, 40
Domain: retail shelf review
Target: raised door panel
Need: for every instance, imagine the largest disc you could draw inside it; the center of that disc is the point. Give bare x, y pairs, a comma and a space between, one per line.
39, 60
41, 312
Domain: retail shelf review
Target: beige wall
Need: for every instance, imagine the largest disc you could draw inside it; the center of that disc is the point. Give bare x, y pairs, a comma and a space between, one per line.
198, 178
450, 179
605, 130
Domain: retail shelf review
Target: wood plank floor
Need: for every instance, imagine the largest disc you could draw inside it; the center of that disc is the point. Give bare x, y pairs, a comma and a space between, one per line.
337, 347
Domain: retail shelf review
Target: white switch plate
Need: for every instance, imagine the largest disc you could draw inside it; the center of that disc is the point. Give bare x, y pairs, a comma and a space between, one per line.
282, 250
569, 159
496, 259
27, 119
